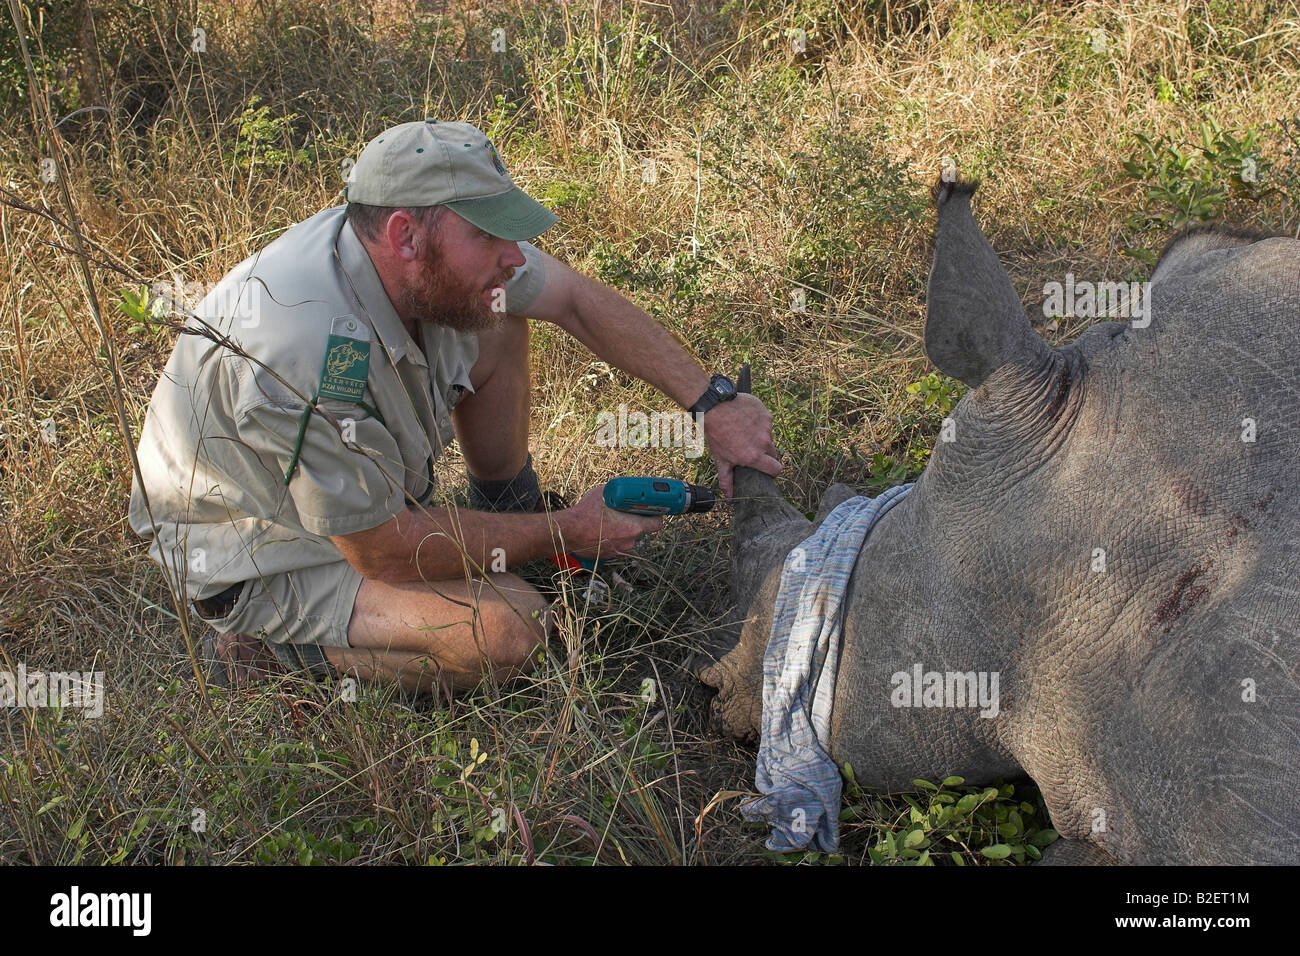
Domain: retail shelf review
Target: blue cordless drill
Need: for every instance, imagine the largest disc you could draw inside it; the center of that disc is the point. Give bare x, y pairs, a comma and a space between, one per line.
648, 497
657, 496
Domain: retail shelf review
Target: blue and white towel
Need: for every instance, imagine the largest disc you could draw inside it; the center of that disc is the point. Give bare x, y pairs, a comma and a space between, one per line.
799, 781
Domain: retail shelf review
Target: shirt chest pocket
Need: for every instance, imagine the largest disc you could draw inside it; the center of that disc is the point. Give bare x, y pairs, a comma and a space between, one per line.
409, 427
451, 356
444, 401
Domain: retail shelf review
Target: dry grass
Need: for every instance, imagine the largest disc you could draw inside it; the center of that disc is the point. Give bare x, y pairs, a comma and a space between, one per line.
776, 170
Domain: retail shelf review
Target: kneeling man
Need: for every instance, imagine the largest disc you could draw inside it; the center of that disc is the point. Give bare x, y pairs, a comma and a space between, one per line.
288, 467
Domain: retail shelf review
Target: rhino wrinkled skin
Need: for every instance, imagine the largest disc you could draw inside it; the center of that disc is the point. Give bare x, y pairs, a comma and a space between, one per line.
1103, 535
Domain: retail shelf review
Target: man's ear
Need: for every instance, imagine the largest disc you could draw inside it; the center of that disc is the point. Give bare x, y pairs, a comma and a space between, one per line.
404, 236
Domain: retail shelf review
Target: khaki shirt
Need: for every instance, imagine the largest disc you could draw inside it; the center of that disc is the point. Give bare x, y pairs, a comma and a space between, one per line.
221, 430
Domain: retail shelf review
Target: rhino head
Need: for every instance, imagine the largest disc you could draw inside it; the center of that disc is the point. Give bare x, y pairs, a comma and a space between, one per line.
1112, 531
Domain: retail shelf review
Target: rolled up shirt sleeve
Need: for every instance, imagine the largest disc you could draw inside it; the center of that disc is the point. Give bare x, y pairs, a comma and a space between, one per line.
526, 284
336, 488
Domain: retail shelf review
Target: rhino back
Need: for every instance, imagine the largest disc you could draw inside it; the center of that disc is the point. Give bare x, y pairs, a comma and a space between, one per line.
1203, 720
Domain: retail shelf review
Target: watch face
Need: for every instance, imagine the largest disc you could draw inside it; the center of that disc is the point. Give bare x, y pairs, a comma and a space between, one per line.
723, 387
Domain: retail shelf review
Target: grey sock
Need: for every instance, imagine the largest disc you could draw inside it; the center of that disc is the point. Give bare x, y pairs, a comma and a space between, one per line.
520, 493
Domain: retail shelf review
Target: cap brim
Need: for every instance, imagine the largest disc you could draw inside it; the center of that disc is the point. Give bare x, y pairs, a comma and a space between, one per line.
512, 215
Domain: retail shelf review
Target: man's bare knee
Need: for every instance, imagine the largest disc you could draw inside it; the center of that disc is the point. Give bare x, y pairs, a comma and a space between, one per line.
514, 630
466, 631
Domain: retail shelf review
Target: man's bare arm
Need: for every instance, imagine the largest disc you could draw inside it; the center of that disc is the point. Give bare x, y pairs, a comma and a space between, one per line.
445, 543
738, 432
618, 332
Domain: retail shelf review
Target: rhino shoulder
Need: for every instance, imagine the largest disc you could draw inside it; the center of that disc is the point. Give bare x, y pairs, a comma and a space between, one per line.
1186, 251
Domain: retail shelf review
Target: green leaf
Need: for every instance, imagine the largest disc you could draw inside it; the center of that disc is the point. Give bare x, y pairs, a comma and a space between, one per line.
914, 838
998, 851
924, 785
1045, 837
953, 781
958, 858
132, 303
968, 803
52, 804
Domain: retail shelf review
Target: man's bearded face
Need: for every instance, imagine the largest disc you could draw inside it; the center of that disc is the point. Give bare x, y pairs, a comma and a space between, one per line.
440, 296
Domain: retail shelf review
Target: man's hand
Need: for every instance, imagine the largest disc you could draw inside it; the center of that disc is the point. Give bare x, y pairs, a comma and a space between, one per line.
591, 530
739, 433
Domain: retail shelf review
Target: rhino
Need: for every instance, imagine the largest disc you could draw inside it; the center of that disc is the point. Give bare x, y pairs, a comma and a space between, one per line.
1112, 529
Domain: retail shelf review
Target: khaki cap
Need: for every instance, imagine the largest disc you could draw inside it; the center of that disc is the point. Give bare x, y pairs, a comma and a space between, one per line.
453, 164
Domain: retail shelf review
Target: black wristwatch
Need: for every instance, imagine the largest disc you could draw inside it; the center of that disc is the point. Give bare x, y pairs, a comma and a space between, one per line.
721, 389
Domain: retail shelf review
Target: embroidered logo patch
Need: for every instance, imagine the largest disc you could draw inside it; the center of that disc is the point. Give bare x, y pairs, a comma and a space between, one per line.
496, 159
347, 361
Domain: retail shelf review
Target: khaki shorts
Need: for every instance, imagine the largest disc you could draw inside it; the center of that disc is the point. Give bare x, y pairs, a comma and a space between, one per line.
297, 613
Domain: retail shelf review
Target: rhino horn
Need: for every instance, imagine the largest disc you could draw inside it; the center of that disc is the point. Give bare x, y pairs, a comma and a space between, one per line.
748, 484
975, 323
764, 525
764, 528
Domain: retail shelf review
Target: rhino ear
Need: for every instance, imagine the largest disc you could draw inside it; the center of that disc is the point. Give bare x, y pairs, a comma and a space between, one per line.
974, 321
